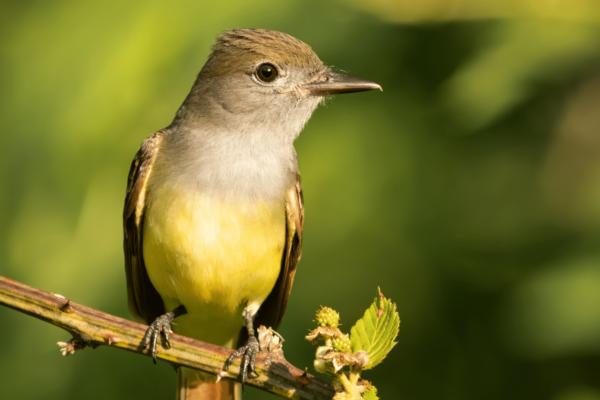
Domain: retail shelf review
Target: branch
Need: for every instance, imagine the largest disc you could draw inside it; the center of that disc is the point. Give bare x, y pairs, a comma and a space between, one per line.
90, 327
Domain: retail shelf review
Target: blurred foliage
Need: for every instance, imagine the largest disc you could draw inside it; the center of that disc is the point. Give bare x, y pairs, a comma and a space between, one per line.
469, 190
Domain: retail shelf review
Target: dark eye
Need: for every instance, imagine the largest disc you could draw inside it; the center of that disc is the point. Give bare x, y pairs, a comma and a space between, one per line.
266, 72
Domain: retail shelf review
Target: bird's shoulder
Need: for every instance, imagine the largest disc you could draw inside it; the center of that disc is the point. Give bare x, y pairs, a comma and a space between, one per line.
139, 172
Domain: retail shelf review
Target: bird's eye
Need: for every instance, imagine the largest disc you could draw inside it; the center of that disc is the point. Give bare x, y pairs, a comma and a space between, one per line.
266, 72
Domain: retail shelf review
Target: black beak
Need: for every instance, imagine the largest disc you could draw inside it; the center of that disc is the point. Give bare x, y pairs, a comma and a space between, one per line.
336, 83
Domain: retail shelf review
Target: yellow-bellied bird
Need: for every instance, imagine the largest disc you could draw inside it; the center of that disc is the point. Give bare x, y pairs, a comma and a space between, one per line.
214, 212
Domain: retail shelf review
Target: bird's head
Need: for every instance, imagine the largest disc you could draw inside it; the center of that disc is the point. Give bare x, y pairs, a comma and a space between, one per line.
261, 79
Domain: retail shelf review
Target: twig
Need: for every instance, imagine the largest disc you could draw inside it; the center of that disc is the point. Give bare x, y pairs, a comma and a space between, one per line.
90, 327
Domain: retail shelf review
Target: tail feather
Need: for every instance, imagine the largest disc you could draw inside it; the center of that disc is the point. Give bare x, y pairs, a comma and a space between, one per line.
198, 385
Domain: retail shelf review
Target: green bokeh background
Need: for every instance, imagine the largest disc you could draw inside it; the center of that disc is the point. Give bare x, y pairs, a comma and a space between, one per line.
469, 190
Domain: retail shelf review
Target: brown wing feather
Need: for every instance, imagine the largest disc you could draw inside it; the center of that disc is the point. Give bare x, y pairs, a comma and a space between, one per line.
144, 301
272, 310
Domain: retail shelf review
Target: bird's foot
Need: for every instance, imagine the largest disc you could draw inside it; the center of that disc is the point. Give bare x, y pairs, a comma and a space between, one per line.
249, 351
161, 325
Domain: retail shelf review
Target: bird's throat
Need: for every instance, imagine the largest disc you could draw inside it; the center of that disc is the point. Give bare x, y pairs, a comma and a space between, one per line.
239, 166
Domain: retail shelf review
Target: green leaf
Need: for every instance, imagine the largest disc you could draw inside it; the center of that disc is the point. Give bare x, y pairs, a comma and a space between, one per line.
376, 330
370, 394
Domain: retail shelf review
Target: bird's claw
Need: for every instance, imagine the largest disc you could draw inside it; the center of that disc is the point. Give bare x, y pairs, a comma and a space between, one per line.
249, 352
161, 325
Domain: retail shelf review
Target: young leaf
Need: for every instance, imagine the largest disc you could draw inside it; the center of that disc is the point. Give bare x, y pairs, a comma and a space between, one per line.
376, 330
370, 394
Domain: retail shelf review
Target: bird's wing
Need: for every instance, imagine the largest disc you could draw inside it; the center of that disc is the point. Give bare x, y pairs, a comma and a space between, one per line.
272, 310
144, 301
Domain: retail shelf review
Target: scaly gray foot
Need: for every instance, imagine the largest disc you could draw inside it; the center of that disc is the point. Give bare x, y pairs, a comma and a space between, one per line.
161, 325
249, 351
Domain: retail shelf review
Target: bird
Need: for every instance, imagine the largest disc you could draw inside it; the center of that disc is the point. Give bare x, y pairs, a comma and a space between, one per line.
214, 210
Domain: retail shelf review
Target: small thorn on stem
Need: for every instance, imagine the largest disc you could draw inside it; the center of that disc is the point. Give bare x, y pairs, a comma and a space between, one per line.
67, 307
221, 374
303, 379
112, 339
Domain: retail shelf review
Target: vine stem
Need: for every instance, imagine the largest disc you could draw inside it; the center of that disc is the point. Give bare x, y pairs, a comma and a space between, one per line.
90, 327
348, 386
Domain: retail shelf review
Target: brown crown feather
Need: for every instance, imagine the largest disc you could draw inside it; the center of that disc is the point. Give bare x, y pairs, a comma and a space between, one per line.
274, 46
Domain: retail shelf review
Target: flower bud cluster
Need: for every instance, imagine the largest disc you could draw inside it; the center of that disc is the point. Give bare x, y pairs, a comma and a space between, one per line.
328, 317
337, 352
341, 343
345, 357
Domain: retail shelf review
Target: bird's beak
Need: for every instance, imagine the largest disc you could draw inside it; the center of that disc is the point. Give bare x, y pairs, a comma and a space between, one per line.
336, 83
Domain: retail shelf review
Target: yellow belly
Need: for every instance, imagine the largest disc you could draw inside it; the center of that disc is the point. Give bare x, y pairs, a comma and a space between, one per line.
213, 256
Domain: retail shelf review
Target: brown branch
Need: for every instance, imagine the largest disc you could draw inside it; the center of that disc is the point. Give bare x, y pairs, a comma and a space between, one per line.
90, 327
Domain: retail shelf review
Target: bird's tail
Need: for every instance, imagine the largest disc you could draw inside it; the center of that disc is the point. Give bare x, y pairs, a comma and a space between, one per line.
198, 385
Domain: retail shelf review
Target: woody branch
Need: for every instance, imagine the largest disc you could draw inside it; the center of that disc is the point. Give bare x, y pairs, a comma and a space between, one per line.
90, 327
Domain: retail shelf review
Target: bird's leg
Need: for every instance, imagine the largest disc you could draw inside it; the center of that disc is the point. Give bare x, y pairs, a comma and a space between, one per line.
249, 350
161, 324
